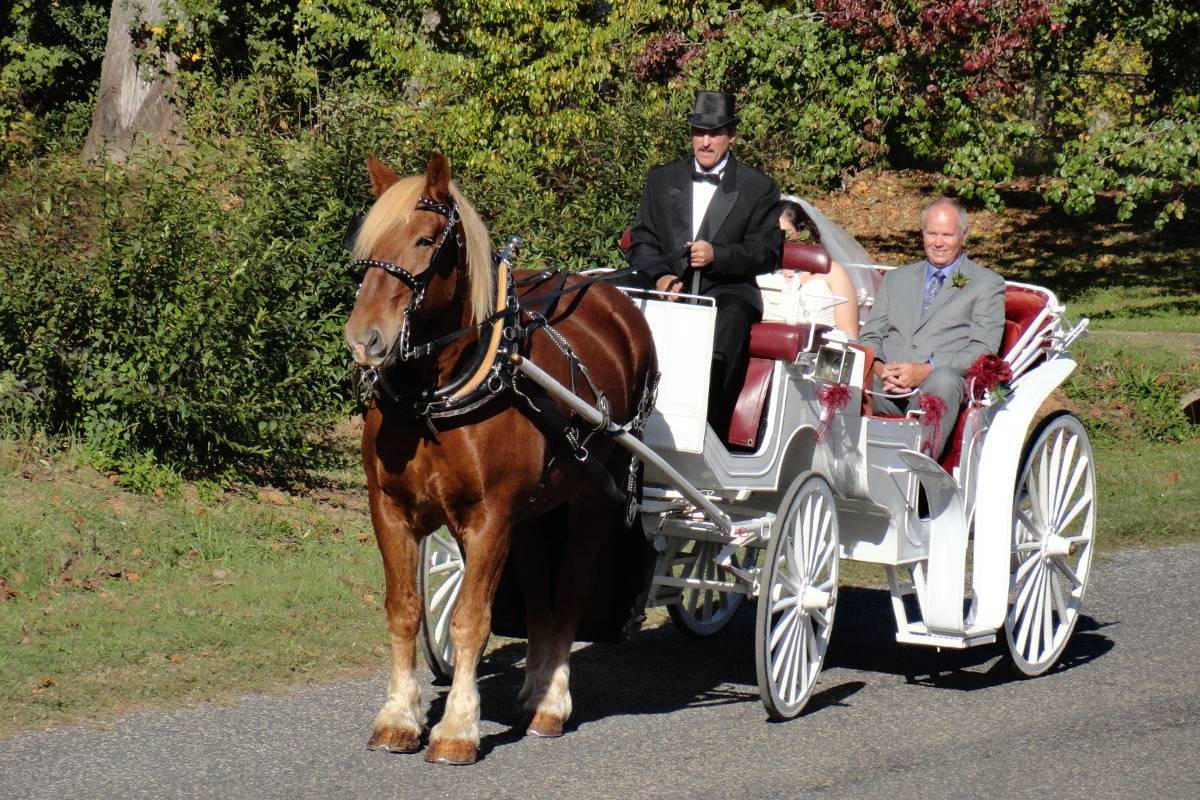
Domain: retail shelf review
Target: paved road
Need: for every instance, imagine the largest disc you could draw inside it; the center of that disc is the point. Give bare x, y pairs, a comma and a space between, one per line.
663, 716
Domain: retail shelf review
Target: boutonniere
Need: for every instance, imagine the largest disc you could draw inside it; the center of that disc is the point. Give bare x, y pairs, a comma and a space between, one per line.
959, 281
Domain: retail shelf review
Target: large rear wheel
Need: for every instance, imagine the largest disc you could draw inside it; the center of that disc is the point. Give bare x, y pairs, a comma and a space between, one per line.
1054, 524
798, 596
439, 578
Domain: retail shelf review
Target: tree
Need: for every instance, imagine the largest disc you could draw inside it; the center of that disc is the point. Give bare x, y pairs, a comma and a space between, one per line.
134, 103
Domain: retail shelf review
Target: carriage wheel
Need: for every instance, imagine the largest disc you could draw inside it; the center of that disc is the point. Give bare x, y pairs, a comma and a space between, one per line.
705, 612
439, 578
798, 596
1054, 523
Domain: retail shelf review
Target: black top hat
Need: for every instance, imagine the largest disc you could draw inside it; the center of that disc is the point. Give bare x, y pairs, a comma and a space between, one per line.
712, 110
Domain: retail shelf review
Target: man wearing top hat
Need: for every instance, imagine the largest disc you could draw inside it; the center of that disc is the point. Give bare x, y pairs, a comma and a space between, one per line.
724, 216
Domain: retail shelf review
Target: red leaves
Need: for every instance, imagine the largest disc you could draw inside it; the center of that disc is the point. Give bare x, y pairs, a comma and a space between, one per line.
665, 55
988, 40
988, 372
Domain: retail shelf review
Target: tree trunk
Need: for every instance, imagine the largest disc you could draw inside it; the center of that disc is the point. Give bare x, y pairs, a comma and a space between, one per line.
133, 106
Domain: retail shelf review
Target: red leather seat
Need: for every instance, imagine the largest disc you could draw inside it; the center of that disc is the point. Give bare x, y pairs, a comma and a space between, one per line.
805, 257
1021, 307
747, 414
781, 341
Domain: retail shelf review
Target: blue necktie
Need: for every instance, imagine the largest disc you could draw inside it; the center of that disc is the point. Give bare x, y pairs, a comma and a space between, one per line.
935, 286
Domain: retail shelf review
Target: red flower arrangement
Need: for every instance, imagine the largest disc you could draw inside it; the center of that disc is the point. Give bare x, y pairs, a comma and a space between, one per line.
987, 373
933, 408
833, 397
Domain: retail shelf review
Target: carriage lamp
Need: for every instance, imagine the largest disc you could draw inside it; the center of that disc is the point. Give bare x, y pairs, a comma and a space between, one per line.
832, 365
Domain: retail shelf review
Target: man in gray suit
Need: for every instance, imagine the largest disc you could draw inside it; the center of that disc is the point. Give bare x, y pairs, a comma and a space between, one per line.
933, 318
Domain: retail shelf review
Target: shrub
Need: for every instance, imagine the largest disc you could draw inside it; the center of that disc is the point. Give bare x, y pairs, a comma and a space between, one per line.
190, 309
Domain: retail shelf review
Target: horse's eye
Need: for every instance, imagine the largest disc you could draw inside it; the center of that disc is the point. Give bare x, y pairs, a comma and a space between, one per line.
424, 241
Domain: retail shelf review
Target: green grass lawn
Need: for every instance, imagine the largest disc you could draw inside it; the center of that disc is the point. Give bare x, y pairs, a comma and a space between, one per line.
125, 601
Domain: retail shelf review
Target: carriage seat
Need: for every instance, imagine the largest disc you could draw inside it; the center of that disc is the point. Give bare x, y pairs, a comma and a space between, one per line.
771, 342
1021, 307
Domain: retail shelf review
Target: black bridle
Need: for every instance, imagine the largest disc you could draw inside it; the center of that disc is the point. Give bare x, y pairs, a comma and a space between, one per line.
419, 283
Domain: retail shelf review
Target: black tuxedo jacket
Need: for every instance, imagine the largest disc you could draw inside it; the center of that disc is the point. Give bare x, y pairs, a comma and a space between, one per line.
742, 223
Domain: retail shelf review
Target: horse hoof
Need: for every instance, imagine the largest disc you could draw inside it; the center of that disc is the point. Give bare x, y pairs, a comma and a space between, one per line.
394, 740
547, 726
455, 753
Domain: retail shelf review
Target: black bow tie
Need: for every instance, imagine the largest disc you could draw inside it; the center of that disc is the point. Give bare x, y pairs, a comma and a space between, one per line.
708, 177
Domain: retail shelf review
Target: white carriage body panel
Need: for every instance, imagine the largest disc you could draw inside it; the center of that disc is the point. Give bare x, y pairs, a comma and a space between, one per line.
883, 527
999, 460
678, 430
683, 338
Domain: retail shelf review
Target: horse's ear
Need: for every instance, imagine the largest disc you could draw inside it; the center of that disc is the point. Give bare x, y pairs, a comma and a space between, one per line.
437, 178
381, 176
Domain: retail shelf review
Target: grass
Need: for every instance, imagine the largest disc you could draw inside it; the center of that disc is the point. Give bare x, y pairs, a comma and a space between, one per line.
1147, 496
1149, 309
120, 601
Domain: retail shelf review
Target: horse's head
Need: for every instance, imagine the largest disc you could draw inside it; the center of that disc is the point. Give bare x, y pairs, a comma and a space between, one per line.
426, 261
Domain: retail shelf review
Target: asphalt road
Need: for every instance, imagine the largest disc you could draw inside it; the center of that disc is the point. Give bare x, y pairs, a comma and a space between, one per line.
664, 716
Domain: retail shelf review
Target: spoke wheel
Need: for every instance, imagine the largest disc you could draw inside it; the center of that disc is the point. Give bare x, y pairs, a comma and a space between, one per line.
439, 577
1054, 524
705, 612
798, 596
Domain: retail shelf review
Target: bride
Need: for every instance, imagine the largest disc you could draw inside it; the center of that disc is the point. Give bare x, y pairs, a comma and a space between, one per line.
793, 296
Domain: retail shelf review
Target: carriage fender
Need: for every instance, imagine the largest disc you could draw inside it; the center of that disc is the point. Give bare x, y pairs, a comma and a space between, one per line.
999, 460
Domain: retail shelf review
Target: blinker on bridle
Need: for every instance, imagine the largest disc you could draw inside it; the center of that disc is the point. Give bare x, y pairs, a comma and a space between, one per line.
417, 284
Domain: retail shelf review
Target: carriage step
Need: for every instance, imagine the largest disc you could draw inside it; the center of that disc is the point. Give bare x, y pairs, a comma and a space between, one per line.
971, 638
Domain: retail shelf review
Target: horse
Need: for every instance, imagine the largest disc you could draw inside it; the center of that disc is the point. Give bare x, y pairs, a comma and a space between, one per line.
491, 470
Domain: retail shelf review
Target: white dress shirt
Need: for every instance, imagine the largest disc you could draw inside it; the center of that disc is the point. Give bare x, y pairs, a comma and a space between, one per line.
703, 191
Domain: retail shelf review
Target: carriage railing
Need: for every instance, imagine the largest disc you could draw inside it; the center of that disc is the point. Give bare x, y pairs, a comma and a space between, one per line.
1049, 334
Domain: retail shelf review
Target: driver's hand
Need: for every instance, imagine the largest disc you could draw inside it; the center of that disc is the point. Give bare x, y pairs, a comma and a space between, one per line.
670, 283
700, 254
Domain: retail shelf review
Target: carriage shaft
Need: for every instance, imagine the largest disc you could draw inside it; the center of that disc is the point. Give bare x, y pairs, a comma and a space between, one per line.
631, 443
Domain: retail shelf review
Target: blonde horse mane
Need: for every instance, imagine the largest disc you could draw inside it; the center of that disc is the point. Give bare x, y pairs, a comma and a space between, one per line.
392, 212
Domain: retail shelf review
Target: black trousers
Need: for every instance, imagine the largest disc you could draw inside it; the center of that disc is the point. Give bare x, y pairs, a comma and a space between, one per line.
731, 355
731, 349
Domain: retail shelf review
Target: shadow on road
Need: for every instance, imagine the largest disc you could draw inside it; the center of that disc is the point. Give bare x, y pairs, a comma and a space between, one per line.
661, 671
864, 639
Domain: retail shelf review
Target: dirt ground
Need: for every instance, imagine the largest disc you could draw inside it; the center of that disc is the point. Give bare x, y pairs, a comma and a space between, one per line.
1027, 239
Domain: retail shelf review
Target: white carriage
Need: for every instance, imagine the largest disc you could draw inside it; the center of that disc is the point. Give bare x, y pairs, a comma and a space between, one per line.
993, 539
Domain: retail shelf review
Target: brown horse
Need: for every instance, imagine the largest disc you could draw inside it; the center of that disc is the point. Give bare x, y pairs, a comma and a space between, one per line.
487, 474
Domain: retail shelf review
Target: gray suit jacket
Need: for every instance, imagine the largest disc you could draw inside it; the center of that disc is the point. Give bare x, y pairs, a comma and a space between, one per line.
960, 324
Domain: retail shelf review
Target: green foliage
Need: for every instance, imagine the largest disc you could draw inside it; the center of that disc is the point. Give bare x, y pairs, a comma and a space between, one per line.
1133, 165
50, 55
1131, 395
190, 309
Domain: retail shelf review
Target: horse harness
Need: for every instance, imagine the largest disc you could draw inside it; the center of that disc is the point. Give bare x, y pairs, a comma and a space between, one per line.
491, 370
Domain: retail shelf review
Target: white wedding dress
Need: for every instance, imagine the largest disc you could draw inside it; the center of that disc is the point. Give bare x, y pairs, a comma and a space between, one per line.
794, 302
